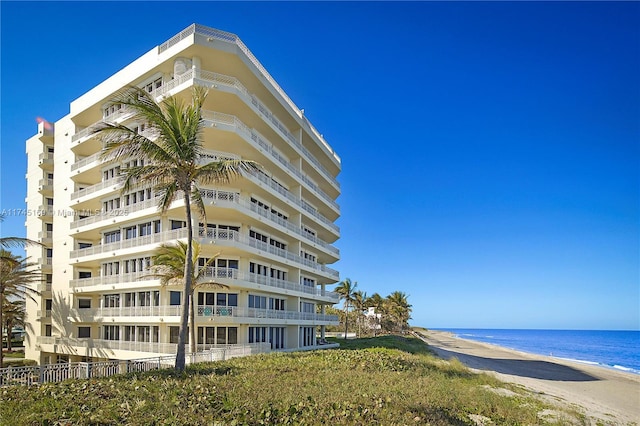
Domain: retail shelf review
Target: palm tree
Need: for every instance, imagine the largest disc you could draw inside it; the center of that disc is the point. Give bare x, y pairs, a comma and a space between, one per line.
399, 308
359, 299
14, 313
173, 163
346, 290
168, 265
16, 278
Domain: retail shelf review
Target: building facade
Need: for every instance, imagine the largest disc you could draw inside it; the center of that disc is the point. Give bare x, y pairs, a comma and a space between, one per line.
272, 233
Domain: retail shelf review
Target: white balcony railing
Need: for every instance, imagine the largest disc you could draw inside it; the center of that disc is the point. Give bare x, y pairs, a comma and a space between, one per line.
211, 274
113, 183
234, 311
129, 311
111, 279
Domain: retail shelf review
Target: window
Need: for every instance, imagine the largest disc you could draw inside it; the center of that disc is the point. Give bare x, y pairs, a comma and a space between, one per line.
276, 304
174, 332
49, 253
257, 302
144, 333
49, 227
49, 278
111, 332
47, 330
258, 236
278, 274
156, 226
174, 298
258, 334
111, 268
111, 300
144, 298
48, 304
256, 268
84, 245
144, 229
129, 333
276, 337
178, 224
129, 232
308, 256
307, 336
111, 173
111, 237
277, 244
84, 332
307, 307
309, 282
84, 303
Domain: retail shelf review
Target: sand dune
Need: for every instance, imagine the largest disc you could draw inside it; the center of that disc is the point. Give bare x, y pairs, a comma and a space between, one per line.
605, 396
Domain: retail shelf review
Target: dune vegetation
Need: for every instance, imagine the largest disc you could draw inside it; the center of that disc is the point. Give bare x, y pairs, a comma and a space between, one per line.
388, 380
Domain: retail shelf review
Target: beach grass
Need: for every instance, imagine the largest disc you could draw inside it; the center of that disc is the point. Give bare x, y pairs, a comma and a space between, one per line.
389, 380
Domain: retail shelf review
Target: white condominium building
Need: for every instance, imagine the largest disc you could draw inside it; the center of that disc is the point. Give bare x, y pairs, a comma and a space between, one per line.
272, 232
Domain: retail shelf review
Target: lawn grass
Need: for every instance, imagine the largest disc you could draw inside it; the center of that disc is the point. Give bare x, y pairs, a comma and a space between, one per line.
390, 380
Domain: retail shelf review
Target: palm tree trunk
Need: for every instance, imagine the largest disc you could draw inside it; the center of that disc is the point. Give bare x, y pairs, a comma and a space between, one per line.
1, 338
9, 327
188, 274
346, 318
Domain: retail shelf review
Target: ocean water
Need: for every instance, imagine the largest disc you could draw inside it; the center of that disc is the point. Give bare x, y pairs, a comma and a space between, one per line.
612, 349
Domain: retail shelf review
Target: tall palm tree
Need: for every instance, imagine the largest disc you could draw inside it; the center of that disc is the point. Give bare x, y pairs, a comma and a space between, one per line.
168, 265
400, 309
17, 276
346, 290
359, 299
13, 313
174, 164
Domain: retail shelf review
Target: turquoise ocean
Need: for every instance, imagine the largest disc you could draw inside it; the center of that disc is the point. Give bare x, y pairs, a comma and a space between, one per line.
619, 350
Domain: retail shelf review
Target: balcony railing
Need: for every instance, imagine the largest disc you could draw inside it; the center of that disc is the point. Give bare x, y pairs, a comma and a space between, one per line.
132, 242
211, 273
111, 279
42, 287
129, 311
45, 236
115, 183
234, 311
86, 160
220, 237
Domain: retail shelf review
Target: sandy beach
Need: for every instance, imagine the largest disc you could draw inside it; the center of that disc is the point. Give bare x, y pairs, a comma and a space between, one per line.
605, 396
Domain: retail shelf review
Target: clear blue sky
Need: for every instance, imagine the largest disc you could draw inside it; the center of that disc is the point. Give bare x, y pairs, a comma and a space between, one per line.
491, 151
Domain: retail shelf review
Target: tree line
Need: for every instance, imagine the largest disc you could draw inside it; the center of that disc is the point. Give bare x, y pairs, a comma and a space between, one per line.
391, 314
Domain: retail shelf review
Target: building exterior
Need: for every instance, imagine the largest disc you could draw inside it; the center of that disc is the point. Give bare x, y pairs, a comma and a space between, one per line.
273, 232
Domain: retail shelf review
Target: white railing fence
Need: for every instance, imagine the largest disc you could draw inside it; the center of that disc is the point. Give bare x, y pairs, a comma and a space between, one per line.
50, 373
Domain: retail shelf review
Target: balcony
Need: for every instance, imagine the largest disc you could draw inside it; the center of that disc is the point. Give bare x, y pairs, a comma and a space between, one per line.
95, 158
221, 237
93, 314
134, 277
45, 263
111, 184
213, 273
45, 237
234, 311
44, 287
44, 313
61, 342
45, 160
45, 186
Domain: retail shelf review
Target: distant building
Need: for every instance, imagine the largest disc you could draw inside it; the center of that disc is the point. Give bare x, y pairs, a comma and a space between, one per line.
275, 230
372, 320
